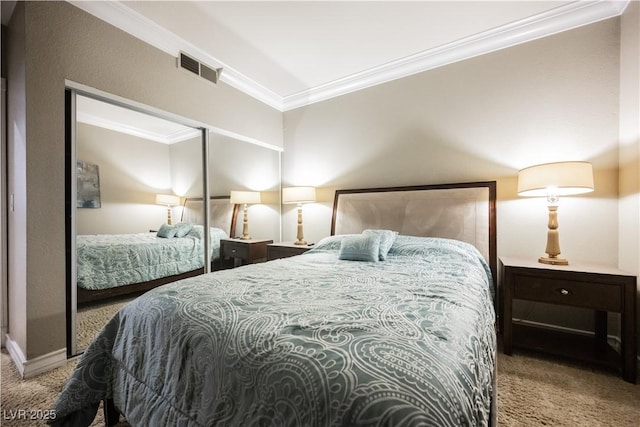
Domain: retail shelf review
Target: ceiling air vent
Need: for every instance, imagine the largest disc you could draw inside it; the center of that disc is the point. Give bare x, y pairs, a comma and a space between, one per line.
192, 65
189, 64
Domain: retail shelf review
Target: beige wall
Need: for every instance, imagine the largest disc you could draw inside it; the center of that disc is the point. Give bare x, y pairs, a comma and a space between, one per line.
132, 171
629, 187
481, 119
485, 118
62, 42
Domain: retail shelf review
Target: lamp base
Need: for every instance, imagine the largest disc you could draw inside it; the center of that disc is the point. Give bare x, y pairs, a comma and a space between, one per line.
300, 242
553, 260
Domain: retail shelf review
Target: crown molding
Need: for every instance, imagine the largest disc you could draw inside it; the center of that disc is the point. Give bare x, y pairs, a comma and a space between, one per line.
560, 19
545, 24
118, 126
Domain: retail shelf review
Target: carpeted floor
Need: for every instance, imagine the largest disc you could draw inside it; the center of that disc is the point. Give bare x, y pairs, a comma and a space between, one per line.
537, 391
532, 390
92, 318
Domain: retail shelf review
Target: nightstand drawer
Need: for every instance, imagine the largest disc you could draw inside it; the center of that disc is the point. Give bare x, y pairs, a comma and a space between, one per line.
236, 250
569, 292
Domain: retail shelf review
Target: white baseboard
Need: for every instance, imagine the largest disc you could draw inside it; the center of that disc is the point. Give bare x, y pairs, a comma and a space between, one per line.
37, 365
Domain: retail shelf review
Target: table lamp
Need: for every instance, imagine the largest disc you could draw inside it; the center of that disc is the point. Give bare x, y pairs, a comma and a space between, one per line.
168, 200
299, 195
245, 198
554, 180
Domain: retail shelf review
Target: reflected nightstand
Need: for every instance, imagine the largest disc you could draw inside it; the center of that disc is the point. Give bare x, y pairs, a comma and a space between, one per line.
244, 251
285, 250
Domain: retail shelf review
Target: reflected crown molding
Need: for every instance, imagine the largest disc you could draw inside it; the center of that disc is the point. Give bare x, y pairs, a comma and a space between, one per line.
563, 18
124, 120
88, 92
118, 126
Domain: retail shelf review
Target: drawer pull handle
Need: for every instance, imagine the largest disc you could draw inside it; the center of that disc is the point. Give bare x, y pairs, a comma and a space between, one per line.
233, 251
564, 292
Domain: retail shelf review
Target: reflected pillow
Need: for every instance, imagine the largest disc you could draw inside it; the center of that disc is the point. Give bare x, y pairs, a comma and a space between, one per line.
167, 231
331, 243
387, 238
182, 229
216, 234
197, 231
360, 248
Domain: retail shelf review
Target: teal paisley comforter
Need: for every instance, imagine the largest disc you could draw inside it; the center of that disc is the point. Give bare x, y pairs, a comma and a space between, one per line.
111, 260
304, 341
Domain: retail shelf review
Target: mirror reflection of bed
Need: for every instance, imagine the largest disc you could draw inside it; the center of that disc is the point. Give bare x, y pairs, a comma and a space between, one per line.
96, 307
134, 158
114, 265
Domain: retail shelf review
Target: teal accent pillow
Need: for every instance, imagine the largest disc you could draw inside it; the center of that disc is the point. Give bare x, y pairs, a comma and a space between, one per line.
167, 231
360, 248
387, 238
182, 229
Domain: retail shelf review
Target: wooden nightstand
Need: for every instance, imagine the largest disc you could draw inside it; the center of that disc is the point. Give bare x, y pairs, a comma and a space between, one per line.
285, 250
599, 288
244, 251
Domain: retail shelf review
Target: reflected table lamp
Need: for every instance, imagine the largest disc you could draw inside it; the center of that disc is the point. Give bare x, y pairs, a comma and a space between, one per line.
299, 195
245, 198
168, 200
552, 180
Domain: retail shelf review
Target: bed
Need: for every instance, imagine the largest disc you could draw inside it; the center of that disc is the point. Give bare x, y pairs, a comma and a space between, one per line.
377, 325
111, 265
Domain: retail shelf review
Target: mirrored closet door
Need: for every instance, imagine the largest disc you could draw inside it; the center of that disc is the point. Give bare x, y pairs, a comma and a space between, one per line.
132, 176
130, 173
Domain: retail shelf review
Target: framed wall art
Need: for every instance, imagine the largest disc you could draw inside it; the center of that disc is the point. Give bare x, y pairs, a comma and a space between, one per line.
88, 183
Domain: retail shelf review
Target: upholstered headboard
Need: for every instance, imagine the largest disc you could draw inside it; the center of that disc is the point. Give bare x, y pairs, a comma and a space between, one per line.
222, 213
462, 211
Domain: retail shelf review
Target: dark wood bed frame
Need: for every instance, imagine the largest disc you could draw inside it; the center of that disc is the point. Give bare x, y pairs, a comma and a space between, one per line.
111, 413
85, 296
490, 252
490, 185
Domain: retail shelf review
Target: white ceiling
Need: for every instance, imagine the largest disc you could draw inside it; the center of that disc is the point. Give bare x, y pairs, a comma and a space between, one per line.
292, 53
289, 47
